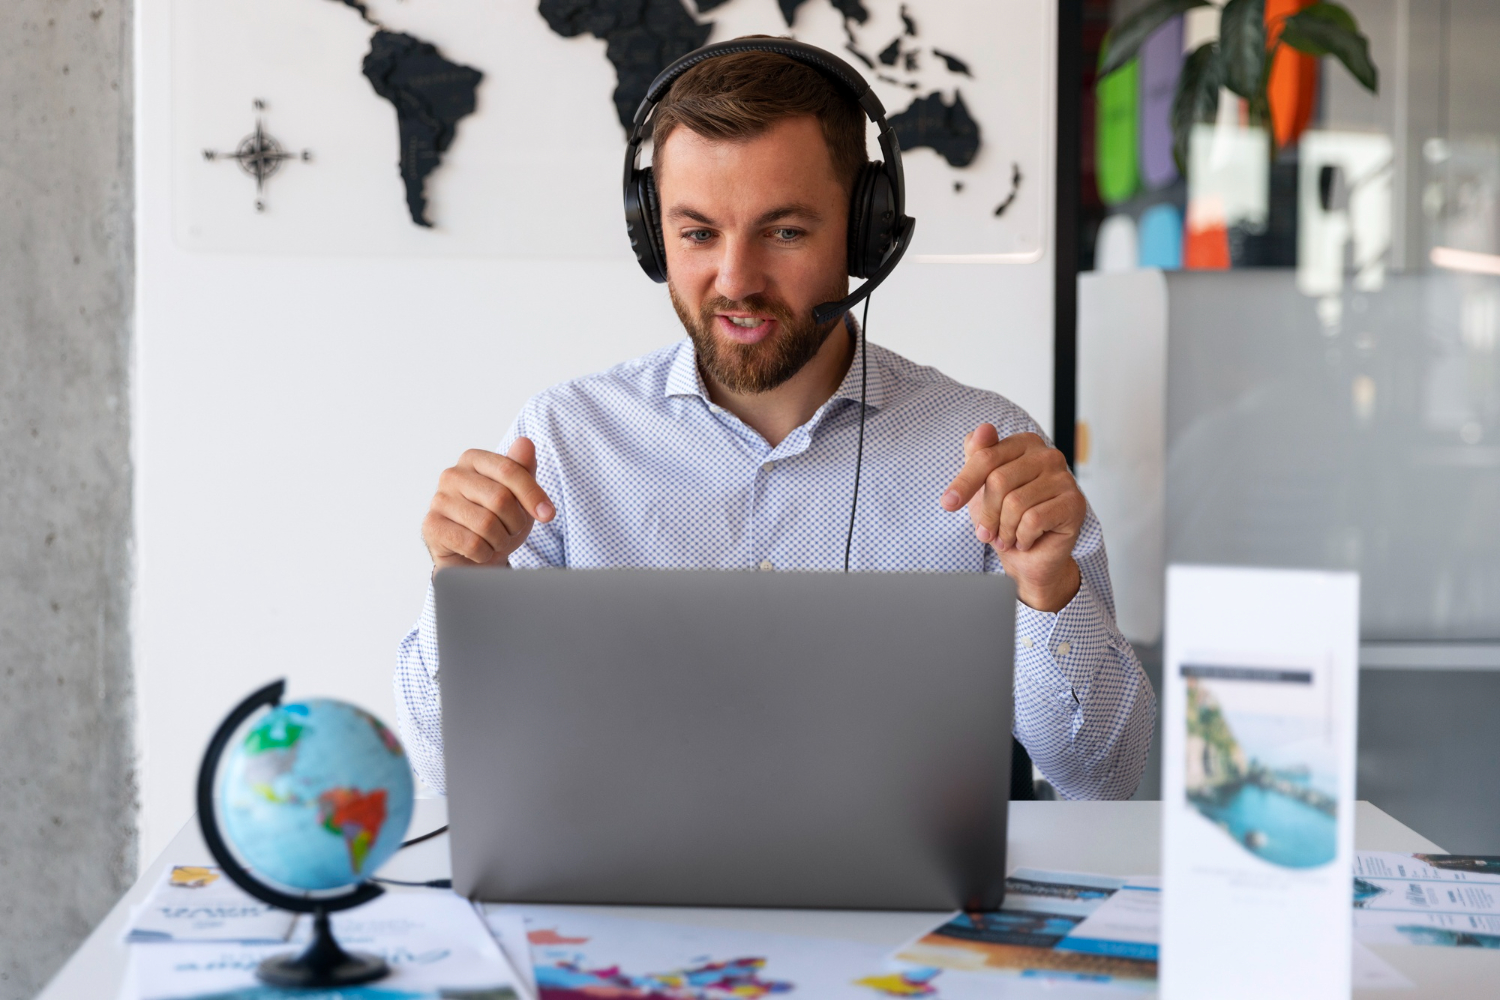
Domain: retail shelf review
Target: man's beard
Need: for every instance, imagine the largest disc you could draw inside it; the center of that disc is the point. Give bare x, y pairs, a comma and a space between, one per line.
764, 365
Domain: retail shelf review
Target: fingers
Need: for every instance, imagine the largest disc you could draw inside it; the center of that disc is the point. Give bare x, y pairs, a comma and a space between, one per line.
482, 505
484, 501
984, 452
517, 473
523, 452
1059, 514
447, 539
983, 436
1008, 493
485, 506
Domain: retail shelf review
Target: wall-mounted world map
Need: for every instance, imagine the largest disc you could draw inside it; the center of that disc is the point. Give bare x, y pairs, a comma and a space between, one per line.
496, 126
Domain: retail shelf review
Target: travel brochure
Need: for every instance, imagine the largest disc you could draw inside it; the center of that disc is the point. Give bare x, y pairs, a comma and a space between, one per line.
1446, 900
197, 903
435, 943
1258, 726
1036, 933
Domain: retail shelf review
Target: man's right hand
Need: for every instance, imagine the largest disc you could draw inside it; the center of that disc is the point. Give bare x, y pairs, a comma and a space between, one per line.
484, 507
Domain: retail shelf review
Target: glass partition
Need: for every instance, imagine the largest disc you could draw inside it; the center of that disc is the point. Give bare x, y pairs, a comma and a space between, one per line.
1329, 241
1333, 259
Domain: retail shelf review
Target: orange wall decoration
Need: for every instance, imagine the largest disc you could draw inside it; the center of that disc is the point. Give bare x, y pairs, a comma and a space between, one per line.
1293, 87
1206, 248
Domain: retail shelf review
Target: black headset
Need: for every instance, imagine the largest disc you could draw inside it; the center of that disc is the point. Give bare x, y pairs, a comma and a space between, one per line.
879, 228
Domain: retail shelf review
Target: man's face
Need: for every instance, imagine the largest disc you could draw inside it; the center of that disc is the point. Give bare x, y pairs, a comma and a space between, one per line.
755, 236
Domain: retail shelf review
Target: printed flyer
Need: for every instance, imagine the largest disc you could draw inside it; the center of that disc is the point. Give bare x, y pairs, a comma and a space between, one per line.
1258, 746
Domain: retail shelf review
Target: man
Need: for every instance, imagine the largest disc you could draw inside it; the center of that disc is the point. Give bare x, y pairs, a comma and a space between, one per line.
735, 448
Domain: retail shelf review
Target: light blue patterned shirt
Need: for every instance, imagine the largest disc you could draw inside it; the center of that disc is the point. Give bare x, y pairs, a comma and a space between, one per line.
646, 471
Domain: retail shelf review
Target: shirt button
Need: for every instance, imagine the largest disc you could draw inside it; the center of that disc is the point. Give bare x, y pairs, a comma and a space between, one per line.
1026, 641
768, 467
1063, 649
765, 564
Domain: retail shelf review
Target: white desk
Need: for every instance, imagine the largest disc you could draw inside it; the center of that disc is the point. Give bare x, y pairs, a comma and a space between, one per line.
1114, 838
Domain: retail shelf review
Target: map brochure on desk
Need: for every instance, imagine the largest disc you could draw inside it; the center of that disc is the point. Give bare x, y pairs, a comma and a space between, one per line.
588, 957
1035, 933
193, 903
1445, 900
436, 944
1259, 685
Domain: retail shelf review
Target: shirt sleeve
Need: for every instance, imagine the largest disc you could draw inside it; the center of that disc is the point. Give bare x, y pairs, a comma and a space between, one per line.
419, 706
1084, 708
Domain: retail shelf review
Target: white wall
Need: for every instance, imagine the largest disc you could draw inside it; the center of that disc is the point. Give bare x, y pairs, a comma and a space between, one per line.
292, 415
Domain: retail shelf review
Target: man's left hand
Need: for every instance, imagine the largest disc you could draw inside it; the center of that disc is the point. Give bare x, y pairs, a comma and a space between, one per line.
1026, 505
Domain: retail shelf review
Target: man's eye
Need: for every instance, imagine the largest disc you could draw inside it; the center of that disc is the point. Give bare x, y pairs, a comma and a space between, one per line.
698, 235
786, 235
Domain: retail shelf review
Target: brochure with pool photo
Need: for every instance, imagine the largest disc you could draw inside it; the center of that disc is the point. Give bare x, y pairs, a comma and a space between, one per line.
1258, 744
1260, 762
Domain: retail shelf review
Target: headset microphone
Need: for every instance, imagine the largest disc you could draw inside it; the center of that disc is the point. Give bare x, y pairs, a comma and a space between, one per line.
832, 310
880, 231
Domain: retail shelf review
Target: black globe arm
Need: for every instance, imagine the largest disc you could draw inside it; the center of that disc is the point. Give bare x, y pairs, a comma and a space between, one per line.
268, 696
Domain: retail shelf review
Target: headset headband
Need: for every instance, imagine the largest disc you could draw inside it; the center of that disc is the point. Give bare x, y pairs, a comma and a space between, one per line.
841, 75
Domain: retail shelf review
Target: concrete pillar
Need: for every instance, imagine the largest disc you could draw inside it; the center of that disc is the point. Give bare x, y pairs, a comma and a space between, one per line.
67, 775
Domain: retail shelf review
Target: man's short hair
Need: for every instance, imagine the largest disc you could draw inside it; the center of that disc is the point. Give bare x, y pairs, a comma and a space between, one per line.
738, 97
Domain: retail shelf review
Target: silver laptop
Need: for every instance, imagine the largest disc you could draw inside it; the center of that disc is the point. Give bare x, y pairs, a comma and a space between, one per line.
727, 739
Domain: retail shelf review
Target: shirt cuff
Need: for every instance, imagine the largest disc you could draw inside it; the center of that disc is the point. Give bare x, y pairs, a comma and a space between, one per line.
1059, 650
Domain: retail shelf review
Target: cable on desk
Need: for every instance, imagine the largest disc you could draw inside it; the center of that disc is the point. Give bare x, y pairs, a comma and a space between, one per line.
426, 836
437, 883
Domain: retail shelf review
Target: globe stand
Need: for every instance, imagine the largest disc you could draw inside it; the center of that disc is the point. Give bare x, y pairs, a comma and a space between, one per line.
324, 963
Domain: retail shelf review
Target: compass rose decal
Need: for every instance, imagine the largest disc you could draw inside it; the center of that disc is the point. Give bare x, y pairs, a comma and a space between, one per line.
259, 155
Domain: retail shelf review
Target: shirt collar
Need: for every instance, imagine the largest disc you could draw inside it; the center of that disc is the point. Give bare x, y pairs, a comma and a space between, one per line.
684, 379
876, 389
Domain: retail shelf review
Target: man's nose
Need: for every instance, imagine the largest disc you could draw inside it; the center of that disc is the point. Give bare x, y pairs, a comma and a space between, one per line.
742, 272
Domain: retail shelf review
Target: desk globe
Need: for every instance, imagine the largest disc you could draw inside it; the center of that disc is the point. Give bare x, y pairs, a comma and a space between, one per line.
298, 801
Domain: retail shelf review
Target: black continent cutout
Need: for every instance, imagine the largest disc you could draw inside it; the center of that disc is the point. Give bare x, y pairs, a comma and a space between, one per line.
948, 129
431, 95
641, 37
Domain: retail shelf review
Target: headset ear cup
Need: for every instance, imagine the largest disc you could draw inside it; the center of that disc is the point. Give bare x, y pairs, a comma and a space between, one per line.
639, 219
872, 220
653, 222
859, 221
880, 229
643, 224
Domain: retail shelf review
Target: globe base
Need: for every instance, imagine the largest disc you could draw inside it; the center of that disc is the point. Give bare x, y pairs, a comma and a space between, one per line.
324, 963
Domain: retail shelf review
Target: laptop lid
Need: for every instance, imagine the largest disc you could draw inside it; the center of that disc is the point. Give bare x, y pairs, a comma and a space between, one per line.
727, 739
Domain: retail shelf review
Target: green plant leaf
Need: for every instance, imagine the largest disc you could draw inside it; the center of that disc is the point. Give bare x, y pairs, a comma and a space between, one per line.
1125, 39
1333, 13
1327, 29
1197, 98
1242, 46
